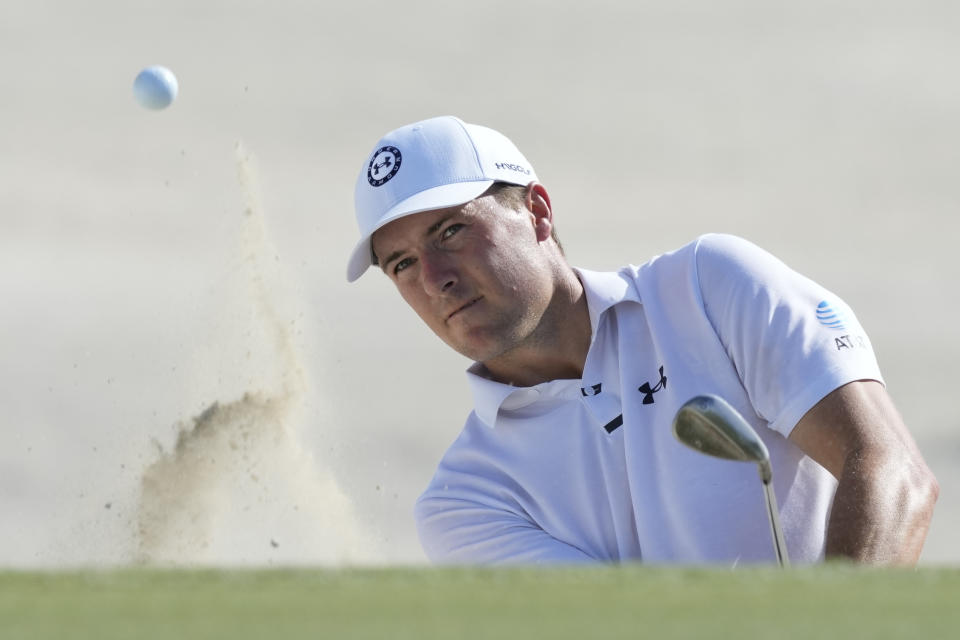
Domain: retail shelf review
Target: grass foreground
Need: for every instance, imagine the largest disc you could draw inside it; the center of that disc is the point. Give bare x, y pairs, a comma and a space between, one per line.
602, 602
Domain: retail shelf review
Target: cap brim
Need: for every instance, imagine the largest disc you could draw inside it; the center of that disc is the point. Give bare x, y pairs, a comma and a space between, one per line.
448, 195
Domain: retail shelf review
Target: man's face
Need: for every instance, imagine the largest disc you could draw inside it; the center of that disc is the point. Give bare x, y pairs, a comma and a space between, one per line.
478, 274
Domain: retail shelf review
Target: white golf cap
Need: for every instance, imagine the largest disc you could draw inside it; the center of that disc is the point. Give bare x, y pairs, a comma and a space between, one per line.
432, 164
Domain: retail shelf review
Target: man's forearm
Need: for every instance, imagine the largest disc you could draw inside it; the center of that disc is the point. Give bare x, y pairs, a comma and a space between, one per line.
882, 508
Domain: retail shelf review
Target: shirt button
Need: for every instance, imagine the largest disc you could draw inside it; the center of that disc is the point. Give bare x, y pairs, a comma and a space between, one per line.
519, 399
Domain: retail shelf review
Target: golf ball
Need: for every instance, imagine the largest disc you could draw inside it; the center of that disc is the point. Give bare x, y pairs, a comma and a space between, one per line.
155, 87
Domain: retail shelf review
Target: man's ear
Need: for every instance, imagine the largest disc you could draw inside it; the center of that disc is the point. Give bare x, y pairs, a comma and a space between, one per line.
538, 203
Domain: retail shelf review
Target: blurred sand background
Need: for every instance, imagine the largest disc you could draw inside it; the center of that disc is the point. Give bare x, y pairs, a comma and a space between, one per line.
178, 277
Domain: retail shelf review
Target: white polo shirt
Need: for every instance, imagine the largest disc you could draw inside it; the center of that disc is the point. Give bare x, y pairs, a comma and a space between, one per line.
589, 470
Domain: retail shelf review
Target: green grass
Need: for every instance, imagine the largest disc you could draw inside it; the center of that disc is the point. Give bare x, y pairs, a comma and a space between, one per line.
608, 602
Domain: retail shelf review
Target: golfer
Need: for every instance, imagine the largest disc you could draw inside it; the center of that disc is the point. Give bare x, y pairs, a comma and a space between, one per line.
568, 454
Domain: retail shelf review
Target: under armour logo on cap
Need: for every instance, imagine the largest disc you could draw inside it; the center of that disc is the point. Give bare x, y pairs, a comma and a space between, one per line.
383, 165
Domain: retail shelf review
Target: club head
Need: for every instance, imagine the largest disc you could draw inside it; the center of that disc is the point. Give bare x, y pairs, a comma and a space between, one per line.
710, 425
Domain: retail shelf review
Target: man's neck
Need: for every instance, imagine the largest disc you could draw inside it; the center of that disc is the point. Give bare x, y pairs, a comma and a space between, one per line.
558, 348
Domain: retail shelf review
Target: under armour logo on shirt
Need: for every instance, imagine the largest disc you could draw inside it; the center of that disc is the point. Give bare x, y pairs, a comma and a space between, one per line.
648, 391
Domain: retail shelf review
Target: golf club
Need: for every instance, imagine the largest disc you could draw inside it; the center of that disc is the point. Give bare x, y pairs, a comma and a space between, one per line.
710, 425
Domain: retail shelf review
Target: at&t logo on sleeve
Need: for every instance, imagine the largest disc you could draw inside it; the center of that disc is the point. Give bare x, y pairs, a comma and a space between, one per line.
830, 316
833, 317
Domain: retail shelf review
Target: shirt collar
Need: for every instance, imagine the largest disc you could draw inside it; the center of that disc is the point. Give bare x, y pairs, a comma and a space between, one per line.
603, 290
488, 394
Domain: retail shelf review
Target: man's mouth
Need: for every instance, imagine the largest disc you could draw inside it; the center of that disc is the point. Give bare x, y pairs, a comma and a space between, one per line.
467, 305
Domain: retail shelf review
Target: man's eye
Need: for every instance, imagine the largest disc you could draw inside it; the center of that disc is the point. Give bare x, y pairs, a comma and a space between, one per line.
450, 231
402, 264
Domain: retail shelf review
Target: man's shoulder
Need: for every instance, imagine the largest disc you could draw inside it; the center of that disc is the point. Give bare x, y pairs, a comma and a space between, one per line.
716, 246
710, 246
717, 250
713, 246
710, 252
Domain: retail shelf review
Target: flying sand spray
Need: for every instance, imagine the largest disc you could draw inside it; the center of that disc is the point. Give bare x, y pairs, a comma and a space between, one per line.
237, 487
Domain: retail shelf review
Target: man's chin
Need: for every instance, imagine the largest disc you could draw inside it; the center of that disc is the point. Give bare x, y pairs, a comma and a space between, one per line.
474, 348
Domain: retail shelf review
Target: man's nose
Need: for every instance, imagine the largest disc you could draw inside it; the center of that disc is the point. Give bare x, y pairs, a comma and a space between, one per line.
438, 272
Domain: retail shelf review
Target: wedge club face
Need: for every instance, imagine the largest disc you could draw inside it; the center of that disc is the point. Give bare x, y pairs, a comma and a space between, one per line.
710, 425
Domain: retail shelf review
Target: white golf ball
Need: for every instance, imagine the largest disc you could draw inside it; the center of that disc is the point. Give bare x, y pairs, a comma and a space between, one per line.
155, 87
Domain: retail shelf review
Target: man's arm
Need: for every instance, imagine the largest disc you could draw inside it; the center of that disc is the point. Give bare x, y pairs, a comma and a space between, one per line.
885, 493
456, 531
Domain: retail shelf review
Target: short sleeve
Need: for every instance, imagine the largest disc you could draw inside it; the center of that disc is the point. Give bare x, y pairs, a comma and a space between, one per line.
791, 340
457, 531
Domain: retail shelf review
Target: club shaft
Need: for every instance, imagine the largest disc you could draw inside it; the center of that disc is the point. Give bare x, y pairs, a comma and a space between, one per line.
779, 544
